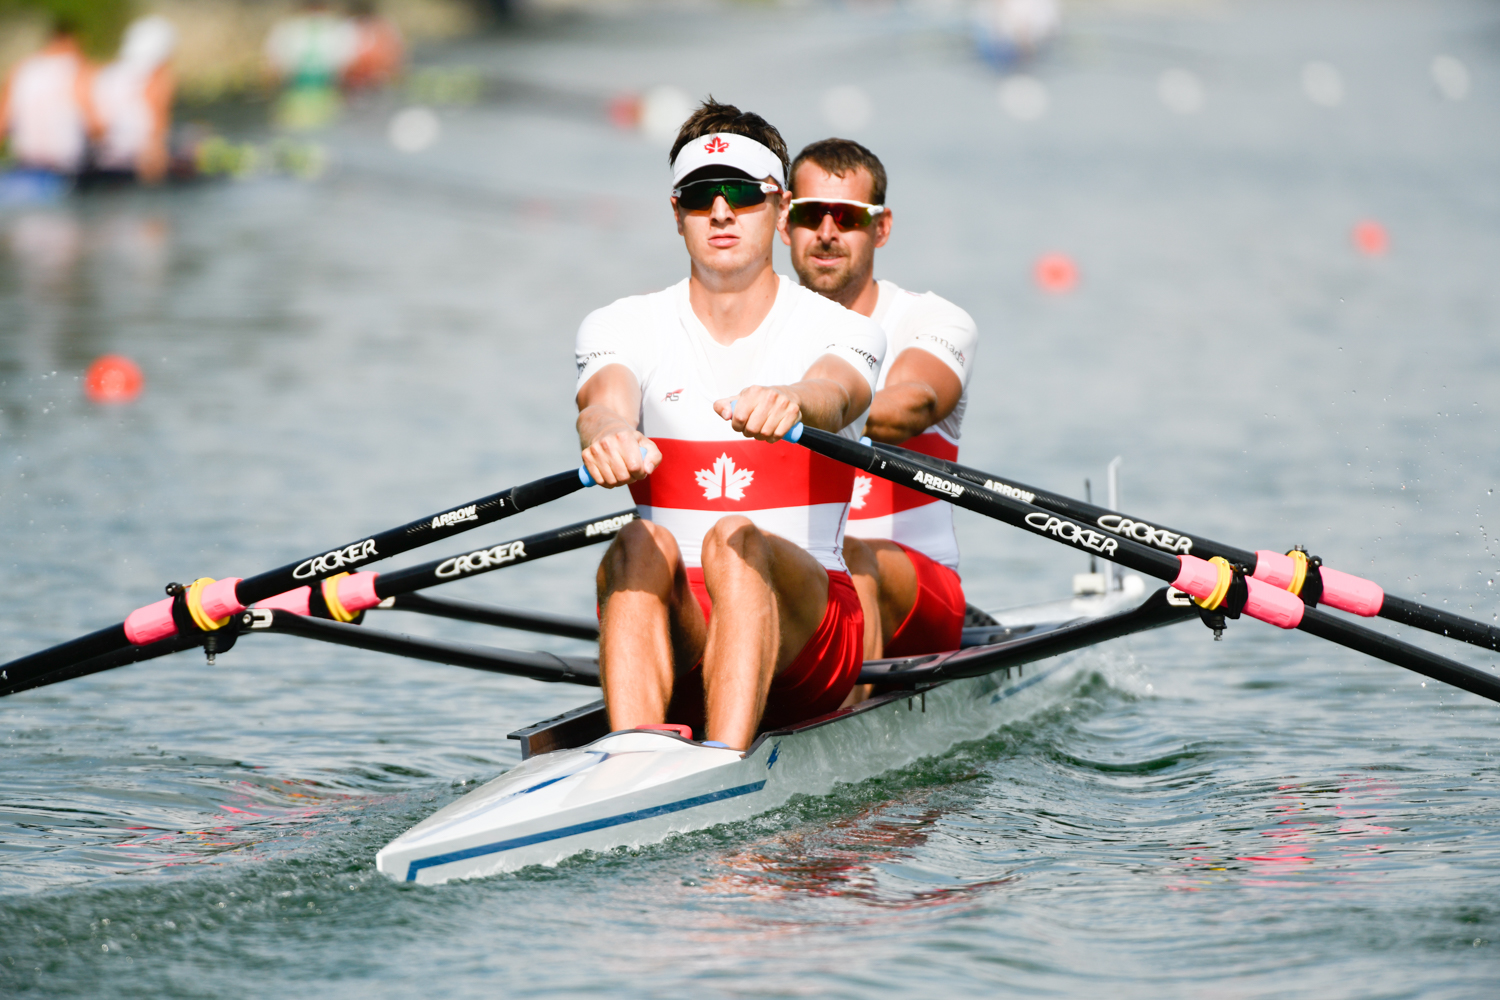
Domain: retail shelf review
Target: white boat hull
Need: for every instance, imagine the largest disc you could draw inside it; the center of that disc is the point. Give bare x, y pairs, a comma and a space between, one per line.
634, 788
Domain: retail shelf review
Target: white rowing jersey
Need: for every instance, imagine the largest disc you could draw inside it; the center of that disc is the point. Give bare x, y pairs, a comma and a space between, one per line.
46, 119
880, 508
124, 106
707, 469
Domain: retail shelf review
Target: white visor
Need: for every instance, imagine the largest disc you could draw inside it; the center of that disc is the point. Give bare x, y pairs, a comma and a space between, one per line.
725, 149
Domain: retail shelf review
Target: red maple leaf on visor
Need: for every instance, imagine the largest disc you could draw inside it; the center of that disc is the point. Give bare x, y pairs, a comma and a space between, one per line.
715, 145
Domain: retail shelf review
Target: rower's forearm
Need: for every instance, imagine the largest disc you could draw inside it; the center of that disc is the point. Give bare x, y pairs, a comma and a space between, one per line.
900, 412
594, 421
824, 404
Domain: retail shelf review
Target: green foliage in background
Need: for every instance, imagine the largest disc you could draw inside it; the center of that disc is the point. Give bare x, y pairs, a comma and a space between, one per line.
100, 23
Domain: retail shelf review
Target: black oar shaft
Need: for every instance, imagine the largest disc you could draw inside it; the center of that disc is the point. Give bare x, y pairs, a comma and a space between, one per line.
910, 473
544, 622
1383, 647
1167, 539
521, 663
976, 661
121, 657
1134, 555
357, 554
511, 553
453, 521
1392, 608
1399, 609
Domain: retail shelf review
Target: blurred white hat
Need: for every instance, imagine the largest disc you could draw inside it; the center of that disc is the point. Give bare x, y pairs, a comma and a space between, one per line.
148, 42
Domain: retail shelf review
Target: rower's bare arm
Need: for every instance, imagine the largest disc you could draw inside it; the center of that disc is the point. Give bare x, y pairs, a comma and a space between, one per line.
609, 406
919, 391
829, 397
5, 105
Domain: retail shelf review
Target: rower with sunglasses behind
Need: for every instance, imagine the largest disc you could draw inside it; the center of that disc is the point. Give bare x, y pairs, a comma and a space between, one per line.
900, 547
727, 608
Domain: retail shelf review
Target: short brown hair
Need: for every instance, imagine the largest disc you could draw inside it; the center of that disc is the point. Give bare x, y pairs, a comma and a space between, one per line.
712, 117
839, 157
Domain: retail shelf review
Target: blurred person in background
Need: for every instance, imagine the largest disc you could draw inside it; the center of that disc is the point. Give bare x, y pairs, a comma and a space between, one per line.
1012, 31
379, 52
900, 545
133, 99
46, 111
308, 54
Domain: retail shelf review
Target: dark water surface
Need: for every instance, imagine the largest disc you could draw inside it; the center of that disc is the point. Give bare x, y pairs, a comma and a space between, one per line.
1267, 816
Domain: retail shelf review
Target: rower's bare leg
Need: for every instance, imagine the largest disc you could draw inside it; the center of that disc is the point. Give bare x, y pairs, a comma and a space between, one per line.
898, 586
887, 582
649, 622
769, 597
865, 572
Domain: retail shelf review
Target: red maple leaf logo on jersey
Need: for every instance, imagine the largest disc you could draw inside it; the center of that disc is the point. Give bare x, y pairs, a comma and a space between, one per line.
715, 145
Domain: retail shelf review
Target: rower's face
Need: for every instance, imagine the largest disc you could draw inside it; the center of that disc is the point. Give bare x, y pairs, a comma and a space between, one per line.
727, 240
828, 259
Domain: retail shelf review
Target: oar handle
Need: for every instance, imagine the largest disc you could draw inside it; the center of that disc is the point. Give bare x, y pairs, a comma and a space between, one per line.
588, 480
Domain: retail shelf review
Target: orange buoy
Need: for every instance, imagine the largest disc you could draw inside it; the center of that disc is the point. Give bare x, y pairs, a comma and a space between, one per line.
1056, 273
113, 378
624, 111
1370, 238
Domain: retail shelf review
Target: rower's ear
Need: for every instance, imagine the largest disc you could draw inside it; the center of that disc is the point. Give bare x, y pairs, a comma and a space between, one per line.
882, 228
677, 215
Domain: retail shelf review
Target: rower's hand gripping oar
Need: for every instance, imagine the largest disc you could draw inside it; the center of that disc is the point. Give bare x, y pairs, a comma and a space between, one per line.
1215, 584
208, 605
1294, 571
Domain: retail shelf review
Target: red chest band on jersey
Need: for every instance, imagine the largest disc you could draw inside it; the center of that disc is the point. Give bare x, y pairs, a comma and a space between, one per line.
739, 476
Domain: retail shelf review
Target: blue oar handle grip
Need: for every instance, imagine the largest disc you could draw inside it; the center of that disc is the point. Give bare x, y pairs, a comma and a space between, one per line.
795, 434
588, 480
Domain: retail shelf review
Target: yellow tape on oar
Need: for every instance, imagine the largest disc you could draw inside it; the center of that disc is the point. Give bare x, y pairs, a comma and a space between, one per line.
331, 598
194, 599
1221, 589
1299, 571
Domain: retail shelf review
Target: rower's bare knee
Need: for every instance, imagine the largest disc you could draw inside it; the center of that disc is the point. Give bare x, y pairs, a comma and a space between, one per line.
858, 557
643, 556
734, 541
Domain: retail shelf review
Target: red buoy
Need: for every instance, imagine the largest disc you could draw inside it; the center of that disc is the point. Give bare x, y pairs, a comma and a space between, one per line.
113, 378
1370, 238
1056, 273
625, 111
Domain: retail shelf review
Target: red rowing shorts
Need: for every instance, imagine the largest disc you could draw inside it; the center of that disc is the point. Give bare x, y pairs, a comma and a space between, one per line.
936, 621
814, 684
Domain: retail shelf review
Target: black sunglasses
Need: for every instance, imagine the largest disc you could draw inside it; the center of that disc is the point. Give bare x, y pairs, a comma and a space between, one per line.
698, 196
